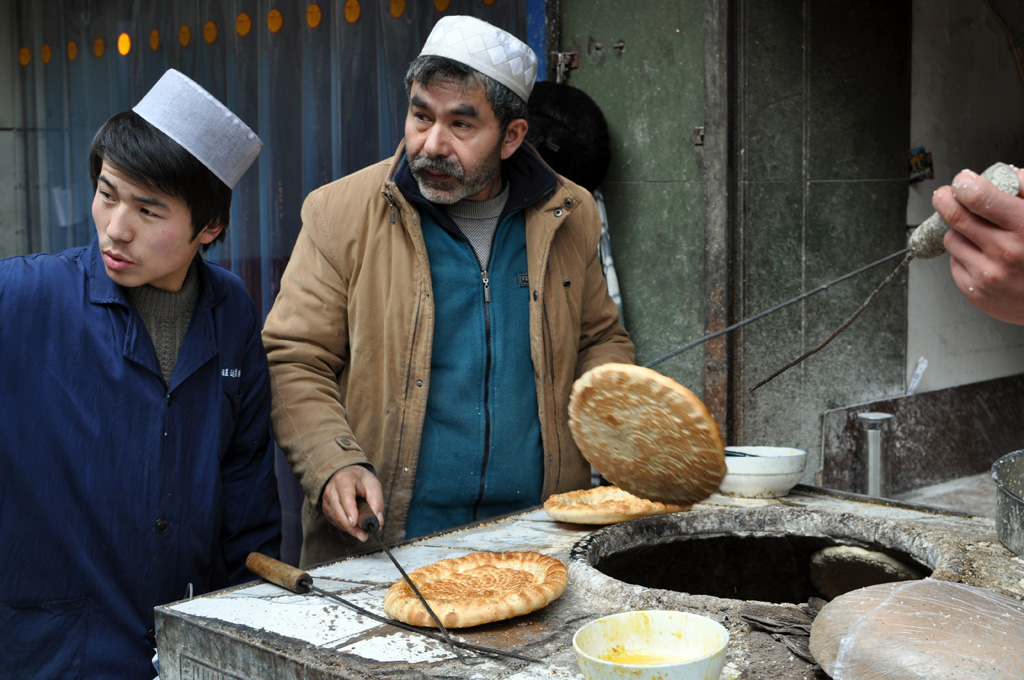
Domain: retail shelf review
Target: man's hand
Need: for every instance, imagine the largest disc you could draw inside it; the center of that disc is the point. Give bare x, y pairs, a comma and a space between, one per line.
339, 499
986, 244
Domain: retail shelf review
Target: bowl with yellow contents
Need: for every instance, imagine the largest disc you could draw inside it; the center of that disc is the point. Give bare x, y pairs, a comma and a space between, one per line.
651, 645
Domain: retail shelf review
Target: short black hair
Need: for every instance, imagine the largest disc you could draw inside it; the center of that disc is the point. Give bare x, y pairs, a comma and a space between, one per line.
429, 70
155, 161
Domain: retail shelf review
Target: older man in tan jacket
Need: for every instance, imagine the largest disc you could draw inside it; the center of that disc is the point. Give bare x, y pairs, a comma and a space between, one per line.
435, 311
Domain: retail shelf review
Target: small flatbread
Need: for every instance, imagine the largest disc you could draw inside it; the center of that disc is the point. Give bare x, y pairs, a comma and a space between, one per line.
478, 588
647, 434
604, 505
838, 569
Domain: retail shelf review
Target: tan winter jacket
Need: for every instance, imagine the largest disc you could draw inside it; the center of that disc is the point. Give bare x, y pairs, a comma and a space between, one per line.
350, 334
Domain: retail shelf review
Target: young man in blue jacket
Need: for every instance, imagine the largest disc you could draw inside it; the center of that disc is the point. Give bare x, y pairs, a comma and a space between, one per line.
135, 458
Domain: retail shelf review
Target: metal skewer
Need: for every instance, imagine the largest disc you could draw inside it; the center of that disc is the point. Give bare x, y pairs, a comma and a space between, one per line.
368, 522
926, 241
832, 336
783, 305
301, 583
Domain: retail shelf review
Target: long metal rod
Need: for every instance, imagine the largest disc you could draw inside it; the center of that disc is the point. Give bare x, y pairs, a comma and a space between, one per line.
874, 294
423, 600
300, 582
413, 629
368, 522
776, 308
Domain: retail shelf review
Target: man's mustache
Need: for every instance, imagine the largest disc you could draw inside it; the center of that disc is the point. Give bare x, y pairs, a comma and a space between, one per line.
439, 165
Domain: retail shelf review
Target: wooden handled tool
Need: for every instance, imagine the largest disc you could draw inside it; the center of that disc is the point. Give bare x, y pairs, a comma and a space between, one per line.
279, 573
298, 581
925, 242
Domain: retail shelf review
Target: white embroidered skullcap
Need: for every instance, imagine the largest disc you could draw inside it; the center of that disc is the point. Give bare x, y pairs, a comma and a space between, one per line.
486, 48
191, 116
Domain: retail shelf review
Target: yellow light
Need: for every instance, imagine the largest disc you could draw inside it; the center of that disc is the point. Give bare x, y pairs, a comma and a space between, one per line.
72, 50
352, 11
154, 40
243, 24
313, 15
99, 47
209, 32
274, 21
185, 35
124, 44
397, 8
24, 56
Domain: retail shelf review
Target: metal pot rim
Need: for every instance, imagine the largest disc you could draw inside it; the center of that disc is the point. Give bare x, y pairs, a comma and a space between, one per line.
999, 465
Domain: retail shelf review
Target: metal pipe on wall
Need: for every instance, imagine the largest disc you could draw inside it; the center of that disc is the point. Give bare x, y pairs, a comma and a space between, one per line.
873, 445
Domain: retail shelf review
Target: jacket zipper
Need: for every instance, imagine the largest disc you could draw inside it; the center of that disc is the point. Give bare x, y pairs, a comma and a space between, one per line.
485, 278
487, 289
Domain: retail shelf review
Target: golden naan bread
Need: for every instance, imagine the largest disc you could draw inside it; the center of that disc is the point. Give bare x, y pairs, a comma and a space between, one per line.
647, 434
478, 588
604, 505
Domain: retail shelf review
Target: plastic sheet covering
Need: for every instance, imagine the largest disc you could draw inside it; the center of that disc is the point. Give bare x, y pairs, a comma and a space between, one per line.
918, 630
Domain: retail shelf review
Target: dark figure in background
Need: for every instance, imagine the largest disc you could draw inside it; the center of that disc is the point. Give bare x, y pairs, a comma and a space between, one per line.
569, 131
136, 463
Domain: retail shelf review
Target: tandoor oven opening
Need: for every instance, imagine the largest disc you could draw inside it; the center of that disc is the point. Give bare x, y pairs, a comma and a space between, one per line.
765, 568
770, 554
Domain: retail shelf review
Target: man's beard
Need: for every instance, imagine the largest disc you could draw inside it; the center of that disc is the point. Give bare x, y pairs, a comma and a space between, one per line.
459, 183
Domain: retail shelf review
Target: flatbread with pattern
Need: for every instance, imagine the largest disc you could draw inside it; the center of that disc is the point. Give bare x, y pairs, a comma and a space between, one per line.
604, 505
647, 434
478, 588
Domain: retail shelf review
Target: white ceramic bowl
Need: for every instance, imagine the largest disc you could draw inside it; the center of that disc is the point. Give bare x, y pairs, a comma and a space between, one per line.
649, 645
769, 473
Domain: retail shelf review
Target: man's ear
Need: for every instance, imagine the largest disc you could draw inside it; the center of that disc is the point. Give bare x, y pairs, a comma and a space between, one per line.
210, 233
514, 136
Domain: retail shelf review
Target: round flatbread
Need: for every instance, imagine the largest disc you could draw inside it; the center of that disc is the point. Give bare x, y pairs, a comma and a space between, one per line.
647, 434
604, 505
838, 569
478, 588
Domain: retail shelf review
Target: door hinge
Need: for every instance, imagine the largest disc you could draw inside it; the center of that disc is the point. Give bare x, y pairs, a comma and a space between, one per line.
565, 62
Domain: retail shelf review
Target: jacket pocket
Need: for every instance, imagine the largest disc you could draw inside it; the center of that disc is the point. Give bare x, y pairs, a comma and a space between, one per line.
43, 639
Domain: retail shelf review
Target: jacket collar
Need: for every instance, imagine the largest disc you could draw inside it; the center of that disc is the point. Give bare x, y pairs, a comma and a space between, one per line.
103, 290
200, 341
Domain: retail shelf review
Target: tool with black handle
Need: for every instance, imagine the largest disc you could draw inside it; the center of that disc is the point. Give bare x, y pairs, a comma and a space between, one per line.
368, 522
300, 582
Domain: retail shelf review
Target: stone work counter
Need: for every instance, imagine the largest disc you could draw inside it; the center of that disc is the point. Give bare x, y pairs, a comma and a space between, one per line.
263, 631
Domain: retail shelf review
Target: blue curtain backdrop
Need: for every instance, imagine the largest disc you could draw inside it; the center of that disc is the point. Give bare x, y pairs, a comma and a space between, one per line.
320, 83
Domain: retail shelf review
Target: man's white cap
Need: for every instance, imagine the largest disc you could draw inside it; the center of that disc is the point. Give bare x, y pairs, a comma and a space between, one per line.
191, 116
486, 48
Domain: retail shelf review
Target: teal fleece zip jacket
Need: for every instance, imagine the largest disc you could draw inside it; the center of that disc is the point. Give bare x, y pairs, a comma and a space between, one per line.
481, 454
